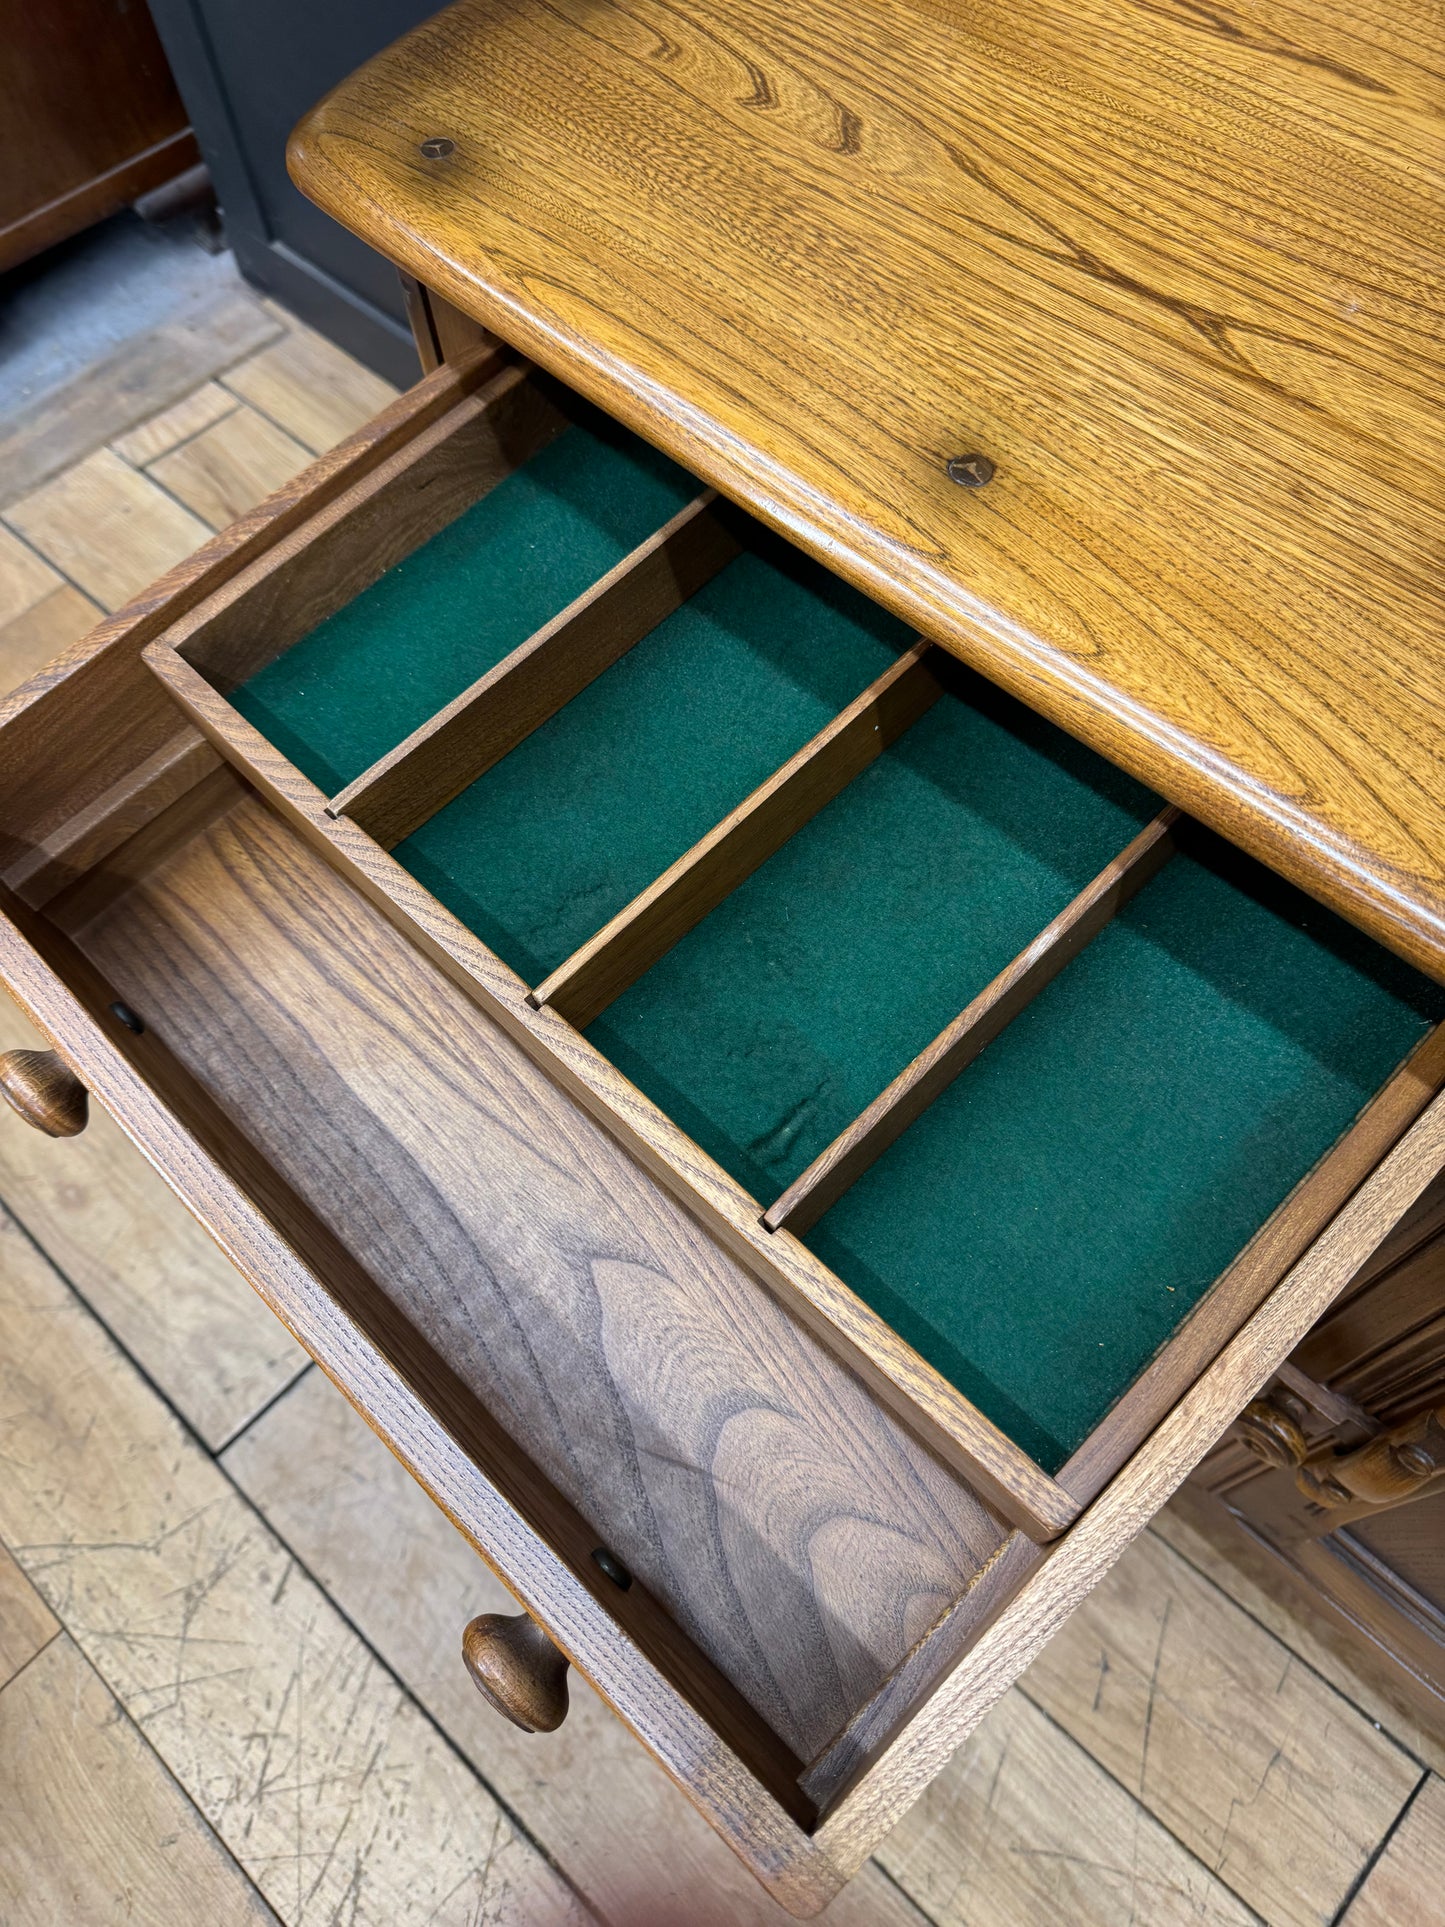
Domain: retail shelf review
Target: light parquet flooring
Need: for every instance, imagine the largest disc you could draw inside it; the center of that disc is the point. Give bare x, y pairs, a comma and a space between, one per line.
230, 1684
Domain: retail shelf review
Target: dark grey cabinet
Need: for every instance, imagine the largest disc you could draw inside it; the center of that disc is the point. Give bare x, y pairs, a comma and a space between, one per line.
247, 70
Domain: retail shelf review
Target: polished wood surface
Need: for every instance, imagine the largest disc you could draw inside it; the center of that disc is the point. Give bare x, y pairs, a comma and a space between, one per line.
1177, 274
44, 1091
517, 1669
629, 1358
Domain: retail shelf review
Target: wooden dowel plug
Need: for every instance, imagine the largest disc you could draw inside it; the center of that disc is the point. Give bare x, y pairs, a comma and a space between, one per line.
515, 1665
45, 1091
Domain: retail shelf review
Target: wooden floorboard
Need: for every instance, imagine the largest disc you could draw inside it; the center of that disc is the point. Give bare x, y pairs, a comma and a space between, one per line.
232, 1710
1262, 1770
410, 1582
1406, 1886
93, 1830
322, 1778
141, 1262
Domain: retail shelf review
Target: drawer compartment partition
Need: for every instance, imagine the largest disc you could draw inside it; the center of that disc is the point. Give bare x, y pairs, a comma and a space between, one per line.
1020, 1089
583, 1326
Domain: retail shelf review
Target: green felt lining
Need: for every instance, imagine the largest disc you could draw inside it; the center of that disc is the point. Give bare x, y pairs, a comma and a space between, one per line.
556, 838
377, 669
1048, 1222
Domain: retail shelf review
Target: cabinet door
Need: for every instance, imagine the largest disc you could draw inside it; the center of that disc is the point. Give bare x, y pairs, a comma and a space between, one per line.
1339, 1469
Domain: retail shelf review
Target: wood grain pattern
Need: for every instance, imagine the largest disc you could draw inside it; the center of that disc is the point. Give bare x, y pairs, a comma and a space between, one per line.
1251, 1760
96, 1830
481, 725
1004, 1475
517, 1669
1407, 1883
885, 1120
41, 1088
407, 1579
584, 984
26, 1622
43, 785
534, 1543
532, 1254
314, 1768
1178, 275
394, 507
1024, 1828
1077, 1563
141, 1262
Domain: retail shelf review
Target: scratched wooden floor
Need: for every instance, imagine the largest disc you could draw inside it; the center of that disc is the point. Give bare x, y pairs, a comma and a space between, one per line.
230, 1687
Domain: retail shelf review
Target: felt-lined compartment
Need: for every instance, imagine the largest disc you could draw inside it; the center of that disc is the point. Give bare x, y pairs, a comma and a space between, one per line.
1049, 1221
537, 854
382, 665
767, 1029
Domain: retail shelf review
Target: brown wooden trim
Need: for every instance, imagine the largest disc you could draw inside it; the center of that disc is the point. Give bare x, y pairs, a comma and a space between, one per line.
117, 814
44, 786
959, 1043
582, 987
998, 1469
910, 1685
419, 320
1077, 1563
481, 725
435, 475
625, 1643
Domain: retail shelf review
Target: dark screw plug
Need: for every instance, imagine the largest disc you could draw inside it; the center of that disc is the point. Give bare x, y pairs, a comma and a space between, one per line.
437, 148
970, 471
614, 1568
128, 1017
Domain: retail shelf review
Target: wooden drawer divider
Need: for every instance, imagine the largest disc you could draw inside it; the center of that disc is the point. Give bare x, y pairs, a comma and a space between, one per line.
391, 511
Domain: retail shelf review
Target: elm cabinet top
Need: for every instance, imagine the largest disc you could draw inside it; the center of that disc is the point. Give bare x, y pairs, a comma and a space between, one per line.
1177, 272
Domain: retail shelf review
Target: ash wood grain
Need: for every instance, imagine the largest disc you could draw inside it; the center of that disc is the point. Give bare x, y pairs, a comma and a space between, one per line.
1004, 1475
456, 1452
96, 1830
517, 1670
1245, 1284
113, 817
44, 786
113, 1228
847, 1757
972, 1031
42, 1089
26, 1622
463, 740
391, 510
316, 1771
1407, 1883
407, 1579
1250, 1759
584, 985
532, 1254
1179, 276
1075, 1565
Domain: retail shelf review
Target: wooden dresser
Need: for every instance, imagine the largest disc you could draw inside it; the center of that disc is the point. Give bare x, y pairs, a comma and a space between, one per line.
795, 915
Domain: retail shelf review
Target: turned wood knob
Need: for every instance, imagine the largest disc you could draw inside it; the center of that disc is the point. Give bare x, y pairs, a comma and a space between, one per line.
45, 1091
515, 1665
1272, 1433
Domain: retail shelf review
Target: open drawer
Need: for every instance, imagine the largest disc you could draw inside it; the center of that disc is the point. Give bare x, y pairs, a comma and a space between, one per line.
798, 1157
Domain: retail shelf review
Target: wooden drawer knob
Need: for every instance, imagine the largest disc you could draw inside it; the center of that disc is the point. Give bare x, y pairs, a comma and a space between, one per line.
515, 1665
45, 1091
1273, 1433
